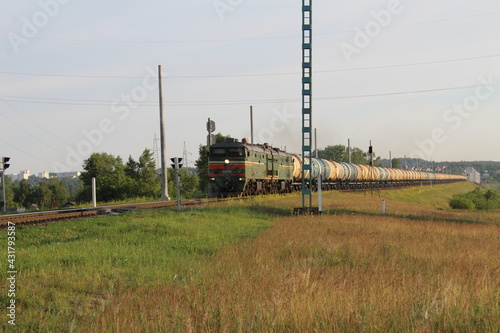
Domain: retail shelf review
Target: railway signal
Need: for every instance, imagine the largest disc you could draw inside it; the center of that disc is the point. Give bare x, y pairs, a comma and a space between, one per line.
4, 163
176, 163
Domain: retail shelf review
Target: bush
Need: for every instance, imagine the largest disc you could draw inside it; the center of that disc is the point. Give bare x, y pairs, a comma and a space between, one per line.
462, 203
476, 199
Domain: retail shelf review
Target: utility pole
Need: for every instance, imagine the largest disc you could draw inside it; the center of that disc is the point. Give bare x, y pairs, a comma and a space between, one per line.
164, 177
349, 150
185, 155
320, 176
251, 124
315, 143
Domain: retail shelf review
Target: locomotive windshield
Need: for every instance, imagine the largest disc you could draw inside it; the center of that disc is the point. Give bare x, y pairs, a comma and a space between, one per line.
218, 152
228, 152
235, 152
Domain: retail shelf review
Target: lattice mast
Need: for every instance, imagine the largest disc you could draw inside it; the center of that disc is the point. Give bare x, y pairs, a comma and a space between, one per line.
306, 103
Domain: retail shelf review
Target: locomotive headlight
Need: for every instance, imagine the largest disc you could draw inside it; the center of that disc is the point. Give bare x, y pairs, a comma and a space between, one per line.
226, 161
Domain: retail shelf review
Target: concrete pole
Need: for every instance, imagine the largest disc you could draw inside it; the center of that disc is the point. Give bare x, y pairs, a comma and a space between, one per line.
251, 124
316, 142
349, 150
4, 207
164, 177
94, 193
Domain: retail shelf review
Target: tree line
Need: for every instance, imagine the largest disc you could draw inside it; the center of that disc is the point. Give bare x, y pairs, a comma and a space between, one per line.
115, 181
118, 181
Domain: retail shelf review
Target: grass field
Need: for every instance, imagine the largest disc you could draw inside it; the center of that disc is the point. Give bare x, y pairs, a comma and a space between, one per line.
250, 266
494, 186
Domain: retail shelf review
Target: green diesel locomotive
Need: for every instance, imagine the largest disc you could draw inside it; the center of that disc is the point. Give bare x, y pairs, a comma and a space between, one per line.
242, 168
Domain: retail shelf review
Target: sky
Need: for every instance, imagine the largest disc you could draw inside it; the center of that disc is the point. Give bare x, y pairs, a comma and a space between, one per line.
417, 78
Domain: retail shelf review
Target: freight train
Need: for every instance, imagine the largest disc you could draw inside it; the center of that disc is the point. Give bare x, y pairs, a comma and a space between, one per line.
241, 168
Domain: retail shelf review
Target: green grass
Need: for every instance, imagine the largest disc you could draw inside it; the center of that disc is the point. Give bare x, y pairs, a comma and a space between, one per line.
67, 269
492, 186
252, 266
432, 196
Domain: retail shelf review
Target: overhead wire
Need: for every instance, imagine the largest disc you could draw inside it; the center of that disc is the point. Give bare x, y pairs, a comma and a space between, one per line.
233, 102
258, 74
254, 38
27, 132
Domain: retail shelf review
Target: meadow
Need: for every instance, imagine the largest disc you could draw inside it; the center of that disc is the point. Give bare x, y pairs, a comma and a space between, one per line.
251, 266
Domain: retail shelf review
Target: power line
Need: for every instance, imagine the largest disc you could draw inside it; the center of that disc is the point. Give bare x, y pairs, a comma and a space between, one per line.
30, 134
31, 121
233, 102
256, 75
251, 38
25, 152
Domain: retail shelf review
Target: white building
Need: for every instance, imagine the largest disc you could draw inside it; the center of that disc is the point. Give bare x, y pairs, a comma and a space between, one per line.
24, 174
44, 174
473, 175
71, 174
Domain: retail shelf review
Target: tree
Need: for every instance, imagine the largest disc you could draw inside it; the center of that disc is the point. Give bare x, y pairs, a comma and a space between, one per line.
188, 184
202, 162
59, 192
24, 194
111, 180
396, 163
358, 156
9, 192
144, 180
43, 196
73, 186
148, 183
378, 162
337, 153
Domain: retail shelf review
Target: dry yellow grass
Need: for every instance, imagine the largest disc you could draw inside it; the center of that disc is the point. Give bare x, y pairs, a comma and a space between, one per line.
421, 268
341, 273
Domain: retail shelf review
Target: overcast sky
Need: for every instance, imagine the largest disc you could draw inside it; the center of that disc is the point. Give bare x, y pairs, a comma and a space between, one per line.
418, 78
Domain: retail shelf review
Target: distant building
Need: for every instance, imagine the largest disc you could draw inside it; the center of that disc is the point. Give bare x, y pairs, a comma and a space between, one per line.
23, 174
473, 175
71, 174
44, 174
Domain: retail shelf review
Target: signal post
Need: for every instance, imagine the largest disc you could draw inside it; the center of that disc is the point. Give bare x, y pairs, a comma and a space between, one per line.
176, 165
4, 165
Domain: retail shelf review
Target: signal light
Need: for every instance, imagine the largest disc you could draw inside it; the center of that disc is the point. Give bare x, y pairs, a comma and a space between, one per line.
176, 163
4, 165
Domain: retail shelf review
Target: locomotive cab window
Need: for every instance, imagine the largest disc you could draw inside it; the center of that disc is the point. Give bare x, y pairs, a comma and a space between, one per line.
218, 152
235, 152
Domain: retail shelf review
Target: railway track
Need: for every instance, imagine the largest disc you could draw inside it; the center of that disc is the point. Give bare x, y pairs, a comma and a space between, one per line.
77, 213
66, 214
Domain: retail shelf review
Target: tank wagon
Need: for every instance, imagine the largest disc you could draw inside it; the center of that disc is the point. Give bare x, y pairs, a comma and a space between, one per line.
242, 168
